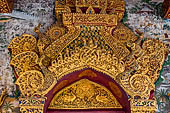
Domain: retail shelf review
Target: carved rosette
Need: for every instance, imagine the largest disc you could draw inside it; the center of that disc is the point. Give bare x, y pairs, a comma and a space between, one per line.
30, 83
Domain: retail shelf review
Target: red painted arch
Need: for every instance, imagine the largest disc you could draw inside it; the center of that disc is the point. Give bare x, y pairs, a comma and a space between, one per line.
101, 79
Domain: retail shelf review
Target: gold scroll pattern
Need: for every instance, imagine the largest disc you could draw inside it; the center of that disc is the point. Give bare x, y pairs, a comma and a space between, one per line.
4, 7
22, 44
3, 96
119, 49
142, 70
31, 82
88, 56
142, 64
28, 60
27, 66
89, 19
124, 34
115, 7
88, 52
113, 50
87, 47
87, 3
52, 50
55, 32
84, 94
25, 61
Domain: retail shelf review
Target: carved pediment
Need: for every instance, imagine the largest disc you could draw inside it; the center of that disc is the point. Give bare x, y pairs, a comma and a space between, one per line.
86, 38
129, 61
84, 94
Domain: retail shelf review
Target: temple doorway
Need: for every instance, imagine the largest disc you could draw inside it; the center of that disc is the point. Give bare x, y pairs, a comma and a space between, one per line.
87, 91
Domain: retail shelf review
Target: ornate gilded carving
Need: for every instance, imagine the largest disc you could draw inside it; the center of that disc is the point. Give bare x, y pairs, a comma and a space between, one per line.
89, 19
89, 55
6, 6
87, 3
55, 32
60, 85
90, 10
22, 44
78, 10
3, 97
140, 85
116, 7
31, 105
143, 106
91, 40
25, 61
88, 48
49, 79
57, 46
30, 83
124, 34
143, 70
115, 41
43, 41
84, 94
150, 63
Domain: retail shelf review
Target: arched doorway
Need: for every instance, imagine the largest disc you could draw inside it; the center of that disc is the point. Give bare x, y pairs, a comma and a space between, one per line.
90, 80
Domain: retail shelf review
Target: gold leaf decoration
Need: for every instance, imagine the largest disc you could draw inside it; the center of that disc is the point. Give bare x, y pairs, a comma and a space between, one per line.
30, 83
84, 94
